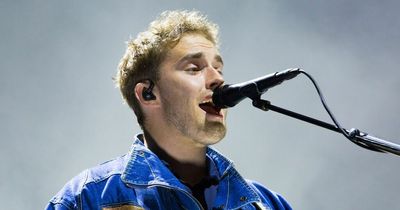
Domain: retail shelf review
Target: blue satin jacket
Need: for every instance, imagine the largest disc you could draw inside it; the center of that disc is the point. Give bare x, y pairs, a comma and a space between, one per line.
139, 180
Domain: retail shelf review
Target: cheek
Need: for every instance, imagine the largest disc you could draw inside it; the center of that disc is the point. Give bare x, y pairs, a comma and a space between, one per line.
187, 85
177, 93
195, 83
179, 87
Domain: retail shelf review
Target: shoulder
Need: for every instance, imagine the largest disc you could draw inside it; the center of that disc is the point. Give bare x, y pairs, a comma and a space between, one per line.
274, 199
89, 184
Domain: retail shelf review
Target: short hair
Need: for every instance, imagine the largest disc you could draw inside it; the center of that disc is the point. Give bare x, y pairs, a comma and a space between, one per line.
144, 54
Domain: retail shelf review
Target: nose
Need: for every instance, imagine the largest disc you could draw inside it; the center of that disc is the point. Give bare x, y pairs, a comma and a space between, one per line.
213, 78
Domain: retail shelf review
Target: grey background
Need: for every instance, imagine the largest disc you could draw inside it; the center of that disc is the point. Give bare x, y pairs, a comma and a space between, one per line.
60, 112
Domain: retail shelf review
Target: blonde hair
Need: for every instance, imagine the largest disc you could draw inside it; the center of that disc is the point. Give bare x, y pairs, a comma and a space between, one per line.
144, 54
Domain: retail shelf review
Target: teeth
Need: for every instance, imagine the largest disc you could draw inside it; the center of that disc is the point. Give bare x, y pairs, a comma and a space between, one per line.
208, 101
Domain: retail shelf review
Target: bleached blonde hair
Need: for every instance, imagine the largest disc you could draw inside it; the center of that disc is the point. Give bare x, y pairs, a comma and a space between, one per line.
145, 53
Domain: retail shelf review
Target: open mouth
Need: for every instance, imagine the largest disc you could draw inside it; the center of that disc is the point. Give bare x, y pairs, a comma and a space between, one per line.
209, 108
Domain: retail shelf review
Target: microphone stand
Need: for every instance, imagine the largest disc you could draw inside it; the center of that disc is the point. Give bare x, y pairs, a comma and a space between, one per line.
360, 138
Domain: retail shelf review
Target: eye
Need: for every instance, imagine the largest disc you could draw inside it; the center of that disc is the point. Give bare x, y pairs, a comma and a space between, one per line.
219, 70
193, 69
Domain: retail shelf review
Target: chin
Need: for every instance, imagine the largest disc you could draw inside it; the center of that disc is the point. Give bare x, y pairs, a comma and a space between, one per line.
215, 132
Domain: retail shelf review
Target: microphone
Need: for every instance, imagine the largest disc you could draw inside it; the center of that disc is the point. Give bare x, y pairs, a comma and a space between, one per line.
227, 96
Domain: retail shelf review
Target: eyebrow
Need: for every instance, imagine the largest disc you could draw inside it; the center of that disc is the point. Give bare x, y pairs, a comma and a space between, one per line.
219, 59
191, 56
197, 56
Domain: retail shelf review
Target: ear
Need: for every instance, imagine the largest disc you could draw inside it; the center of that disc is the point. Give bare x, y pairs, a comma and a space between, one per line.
142, 87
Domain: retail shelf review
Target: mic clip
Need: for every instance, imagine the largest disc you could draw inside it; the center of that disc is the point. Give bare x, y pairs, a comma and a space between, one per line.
261, 103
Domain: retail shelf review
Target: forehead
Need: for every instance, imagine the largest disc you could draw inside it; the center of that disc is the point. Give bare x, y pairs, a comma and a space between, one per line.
192, 44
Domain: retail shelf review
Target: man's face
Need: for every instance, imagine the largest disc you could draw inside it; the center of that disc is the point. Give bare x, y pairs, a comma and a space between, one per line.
188, 75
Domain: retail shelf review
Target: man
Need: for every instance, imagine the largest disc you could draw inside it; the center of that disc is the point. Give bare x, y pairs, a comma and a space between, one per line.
167, 76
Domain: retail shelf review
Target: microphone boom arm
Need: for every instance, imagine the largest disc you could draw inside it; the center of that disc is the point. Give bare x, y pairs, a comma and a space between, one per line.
360, 138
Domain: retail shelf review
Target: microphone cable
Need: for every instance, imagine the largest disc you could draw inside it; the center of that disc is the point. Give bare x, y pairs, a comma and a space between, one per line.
350, 135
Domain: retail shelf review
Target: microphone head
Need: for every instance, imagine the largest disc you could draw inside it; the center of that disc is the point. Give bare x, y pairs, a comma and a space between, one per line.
217, 97
226, 96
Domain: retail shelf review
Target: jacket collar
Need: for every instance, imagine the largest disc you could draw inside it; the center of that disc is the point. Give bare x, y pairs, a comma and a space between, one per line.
145, 169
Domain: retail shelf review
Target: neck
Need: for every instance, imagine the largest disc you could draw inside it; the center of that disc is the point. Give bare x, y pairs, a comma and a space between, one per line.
186, 161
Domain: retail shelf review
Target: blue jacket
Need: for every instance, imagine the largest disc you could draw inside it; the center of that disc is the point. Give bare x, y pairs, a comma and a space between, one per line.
140, 180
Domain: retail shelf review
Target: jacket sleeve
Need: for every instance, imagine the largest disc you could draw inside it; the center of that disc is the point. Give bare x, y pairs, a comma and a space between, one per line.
270, 197
57, 206
68, 196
